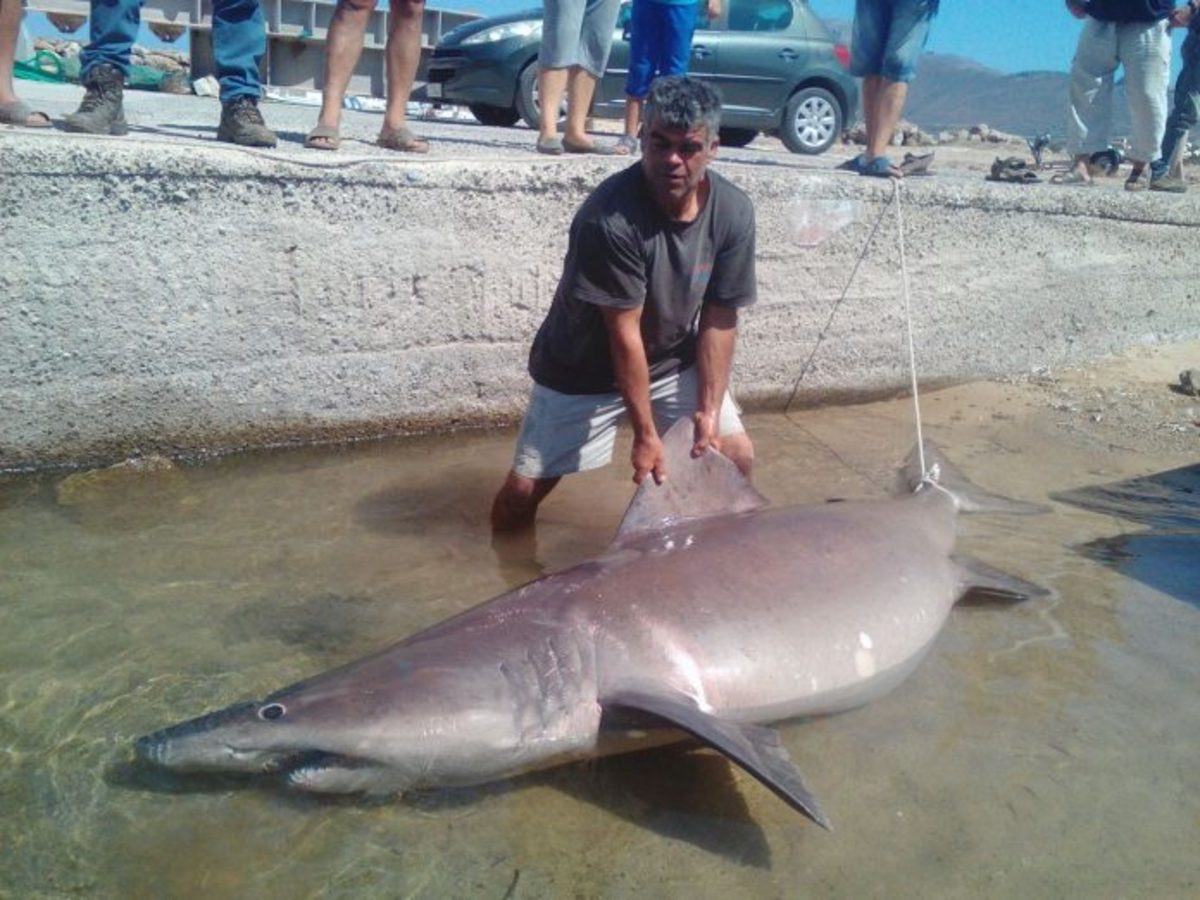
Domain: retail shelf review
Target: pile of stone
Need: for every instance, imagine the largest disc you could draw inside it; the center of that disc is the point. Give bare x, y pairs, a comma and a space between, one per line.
909, 135
170, 61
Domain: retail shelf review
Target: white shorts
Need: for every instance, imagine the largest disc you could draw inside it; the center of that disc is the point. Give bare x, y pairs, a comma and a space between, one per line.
565, 433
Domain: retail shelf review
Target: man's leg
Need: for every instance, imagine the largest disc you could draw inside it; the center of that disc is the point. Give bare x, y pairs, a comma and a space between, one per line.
581, 87
343, 47
888, 107
552, 84
1090, 93
1168, 171
515, 505
113, 27
1145, 52
403, 58
239, 42
14, 111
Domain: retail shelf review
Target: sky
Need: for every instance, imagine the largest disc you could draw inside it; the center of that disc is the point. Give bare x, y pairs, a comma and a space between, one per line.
1009, 35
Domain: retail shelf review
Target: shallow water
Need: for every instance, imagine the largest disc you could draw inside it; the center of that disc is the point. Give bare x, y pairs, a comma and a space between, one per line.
1043, 749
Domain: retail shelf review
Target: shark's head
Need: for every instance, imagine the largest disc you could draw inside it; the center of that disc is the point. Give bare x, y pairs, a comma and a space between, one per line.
381, 725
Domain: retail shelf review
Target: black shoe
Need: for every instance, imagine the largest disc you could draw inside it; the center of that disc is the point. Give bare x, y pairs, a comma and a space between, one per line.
102, 110
242, 123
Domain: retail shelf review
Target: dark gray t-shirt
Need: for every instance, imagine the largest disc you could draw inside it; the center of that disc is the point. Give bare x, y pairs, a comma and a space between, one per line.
624, 252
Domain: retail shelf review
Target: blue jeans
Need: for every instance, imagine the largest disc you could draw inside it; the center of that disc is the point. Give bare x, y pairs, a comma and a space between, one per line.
1186, 111
889, 36
239, 41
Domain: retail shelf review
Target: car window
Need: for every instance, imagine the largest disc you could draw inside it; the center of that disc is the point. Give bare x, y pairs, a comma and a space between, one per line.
759, 15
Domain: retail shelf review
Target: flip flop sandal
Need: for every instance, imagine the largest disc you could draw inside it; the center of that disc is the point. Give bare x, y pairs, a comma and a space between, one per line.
323, 137
629, 143
551, 146
596, 148
1138, 182
402, 140
1072, 179
879, 167
854, 164
18, 113
916, 165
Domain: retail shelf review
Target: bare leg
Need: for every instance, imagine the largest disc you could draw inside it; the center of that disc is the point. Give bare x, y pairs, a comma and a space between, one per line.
633, 116
889, 104
517, 501
581, 85
870, 91
10, 26
552, 84
403, 58
343, 47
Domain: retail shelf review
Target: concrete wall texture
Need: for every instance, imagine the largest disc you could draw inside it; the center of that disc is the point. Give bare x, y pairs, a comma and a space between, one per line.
182, 298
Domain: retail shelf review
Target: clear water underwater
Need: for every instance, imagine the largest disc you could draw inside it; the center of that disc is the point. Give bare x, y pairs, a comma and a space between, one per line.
1043, 749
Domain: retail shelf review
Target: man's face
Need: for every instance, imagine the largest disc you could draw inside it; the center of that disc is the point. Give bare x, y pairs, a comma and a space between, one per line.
674, 162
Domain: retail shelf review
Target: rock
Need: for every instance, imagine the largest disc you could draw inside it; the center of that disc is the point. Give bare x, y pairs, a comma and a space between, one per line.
1189, 382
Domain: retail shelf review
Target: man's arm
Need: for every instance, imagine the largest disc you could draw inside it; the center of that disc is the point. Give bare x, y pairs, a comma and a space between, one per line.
633, 381
714, 357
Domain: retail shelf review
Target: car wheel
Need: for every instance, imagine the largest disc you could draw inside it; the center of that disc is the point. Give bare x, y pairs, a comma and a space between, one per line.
737, 137
812, 121
494, 115
527, 97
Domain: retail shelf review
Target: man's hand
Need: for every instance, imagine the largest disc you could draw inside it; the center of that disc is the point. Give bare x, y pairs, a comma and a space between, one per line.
1077, 8
1181, 16
647, 458
713, 9
705, 435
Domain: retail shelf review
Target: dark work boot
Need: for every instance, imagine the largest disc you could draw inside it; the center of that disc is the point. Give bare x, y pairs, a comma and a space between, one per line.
101, 111
242, 123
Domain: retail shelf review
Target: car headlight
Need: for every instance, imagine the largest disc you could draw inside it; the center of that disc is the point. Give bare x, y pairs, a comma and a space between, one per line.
504, 32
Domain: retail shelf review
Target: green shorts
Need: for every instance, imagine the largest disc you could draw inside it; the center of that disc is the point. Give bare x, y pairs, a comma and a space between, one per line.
565, 433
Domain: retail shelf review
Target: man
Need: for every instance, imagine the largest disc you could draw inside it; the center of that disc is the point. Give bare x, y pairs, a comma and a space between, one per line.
1132, 34
660, 43
12, 110
576, 38
403, 56
888, 37
1167, 174
659, 260
239, 40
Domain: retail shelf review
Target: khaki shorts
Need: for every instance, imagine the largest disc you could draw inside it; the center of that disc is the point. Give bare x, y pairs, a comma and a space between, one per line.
565, 433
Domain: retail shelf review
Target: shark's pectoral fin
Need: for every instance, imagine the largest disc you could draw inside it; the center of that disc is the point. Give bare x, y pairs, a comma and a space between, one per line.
981, 580
756, 749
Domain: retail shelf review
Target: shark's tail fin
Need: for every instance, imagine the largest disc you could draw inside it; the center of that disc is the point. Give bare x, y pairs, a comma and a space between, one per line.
941, 474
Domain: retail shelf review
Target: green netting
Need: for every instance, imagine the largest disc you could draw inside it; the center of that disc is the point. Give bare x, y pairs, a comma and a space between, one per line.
46, 65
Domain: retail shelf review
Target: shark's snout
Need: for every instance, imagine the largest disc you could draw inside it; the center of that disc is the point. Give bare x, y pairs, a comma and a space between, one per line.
149, 748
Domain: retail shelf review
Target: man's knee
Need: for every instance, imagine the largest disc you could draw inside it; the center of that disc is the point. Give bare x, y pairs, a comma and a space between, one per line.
516, 503
356, 7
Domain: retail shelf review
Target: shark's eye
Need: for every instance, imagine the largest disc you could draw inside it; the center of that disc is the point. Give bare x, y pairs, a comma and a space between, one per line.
272, 711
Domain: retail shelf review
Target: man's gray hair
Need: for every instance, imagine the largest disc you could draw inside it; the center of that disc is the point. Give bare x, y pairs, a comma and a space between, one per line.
679, 103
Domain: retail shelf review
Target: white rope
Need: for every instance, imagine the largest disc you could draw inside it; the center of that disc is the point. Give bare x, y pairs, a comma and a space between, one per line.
926, 475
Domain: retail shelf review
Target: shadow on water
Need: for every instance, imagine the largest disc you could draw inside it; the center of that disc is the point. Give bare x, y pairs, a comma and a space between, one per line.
1167, 557
324, 623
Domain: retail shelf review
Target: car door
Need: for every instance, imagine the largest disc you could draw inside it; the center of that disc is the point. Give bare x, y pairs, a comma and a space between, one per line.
761, 53
610, 92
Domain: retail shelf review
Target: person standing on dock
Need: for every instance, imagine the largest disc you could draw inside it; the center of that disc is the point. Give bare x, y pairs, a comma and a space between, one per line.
343, 48
239, 39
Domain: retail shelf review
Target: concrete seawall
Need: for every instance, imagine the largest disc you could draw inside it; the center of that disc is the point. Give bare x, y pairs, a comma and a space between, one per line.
180, 297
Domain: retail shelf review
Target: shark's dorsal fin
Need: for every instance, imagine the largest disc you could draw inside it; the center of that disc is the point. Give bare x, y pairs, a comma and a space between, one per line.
695, 488
756, 749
